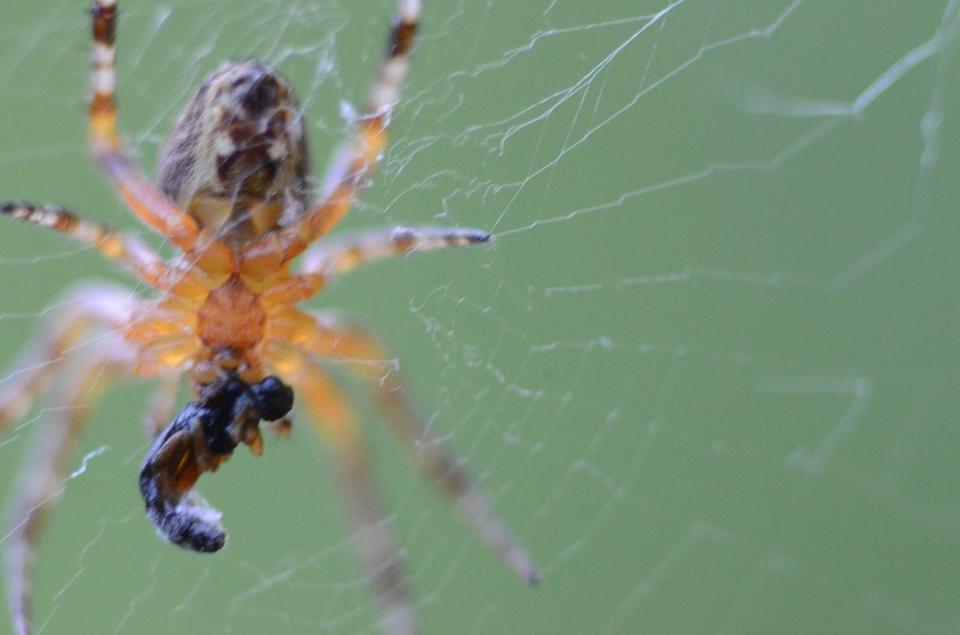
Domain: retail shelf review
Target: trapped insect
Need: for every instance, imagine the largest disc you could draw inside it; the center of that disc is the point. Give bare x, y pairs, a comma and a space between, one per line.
234, 195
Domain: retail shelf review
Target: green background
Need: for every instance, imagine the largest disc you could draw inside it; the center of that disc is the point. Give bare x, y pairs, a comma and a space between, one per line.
708, 371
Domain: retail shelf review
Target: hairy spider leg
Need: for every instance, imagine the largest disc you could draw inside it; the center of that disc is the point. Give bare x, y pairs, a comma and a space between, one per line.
141, 196
122, 248
353, 163
335, 421
345, 253
149, 205
331, 336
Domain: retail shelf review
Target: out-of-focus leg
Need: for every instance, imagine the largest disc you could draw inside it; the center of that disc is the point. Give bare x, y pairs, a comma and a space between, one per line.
84, 308
336, 423
42, 482
332, 336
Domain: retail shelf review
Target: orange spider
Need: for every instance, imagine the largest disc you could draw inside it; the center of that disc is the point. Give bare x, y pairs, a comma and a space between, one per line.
234, 195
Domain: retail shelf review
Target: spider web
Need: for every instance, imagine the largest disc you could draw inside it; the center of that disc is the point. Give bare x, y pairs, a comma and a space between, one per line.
707, 371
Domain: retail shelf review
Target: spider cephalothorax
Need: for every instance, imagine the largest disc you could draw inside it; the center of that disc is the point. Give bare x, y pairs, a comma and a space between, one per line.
234, 196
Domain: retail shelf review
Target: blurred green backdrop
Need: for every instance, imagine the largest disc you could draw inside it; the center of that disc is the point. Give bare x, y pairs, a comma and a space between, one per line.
708, 371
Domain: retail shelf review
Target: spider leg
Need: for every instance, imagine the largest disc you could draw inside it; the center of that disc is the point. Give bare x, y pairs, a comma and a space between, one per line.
355, 160
328, 335
147, 203
336, 423
84, 308
344, 254
123, 248
42, 481
348, 252
353, 163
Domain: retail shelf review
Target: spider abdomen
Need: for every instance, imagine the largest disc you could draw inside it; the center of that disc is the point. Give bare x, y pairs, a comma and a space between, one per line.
237, 158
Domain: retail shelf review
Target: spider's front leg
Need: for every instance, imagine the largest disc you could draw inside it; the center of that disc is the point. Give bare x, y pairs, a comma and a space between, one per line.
335, 420
87, 310
330, 336
354, 343
41, 482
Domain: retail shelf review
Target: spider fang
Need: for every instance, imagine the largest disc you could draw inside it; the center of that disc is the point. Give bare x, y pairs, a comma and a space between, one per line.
200, 438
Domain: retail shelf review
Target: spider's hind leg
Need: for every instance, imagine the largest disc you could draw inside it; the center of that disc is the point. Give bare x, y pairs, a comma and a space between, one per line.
353, 163
146, 202
355, 160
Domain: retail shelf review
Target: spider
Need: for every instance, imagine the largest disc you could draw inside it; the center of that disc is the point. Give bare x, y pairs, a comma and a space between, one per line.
234, 195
